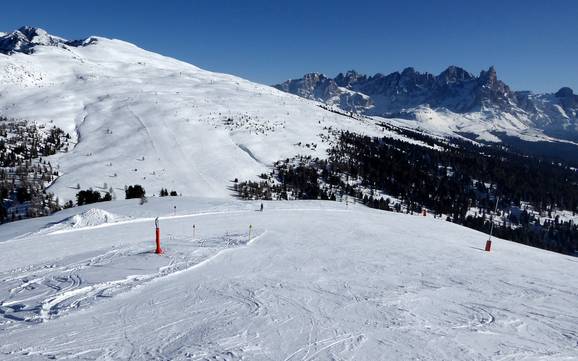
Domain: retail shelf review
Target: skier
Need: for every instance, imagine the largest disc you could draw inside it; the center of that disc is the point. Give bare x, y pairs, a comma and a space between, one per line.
261, 207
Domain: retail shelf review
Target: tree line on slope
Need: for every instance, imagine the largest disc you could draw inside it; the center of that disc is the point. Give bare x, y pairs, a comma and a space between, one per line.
136, 191
24, 175
457, 180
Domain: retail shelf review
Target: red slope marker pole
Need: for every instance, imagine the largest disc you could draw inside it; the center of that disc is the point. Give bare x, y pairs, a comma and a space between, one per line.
489, 241
158, 250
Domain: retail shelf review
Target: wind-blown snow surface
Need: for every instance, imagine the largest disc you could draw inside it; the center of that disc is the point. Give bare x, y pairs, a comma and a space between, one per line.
314, 281
142, 118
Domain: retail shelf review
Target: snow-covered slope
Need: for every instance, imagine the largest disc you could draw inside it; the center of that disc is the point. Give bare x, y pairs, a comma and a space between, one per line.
313, 281
483, 126
142, 118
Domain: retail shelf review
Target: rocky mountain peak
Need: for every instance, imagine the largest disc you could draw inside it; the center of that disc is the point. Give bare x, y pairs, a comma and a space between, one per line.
33, 34
565, 92
349, 78
568, 100
408, 71
489, 76
454, 74
26, 38
314, 76
351, 74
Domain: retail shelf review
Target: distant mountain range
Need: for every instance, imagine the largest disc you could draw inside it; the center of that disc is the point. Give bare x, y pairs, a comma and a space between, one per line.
467, 102
136, 117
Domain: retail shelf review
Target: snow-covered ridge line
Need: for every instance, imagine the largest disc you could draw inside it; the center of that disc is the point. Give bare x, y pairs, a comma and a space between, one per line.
143, 118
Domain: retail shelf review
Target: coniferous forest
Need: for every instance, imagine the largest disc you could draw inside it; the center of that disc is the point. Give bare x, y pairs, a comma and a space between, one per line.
24, 174
457, 180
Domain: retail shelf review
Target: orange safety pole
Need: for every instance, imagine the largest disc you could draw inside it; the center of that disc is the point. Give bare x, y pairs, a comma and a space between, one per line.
158, 250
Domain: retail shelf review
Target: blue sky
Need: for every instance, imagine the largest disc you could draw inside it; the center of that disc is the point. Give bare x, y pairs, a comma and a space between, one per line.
533, 44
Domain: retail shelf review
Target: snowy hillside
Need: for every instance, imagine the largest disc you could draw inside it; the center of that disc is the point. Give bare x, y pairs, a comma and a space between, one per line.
142, 118
313, 281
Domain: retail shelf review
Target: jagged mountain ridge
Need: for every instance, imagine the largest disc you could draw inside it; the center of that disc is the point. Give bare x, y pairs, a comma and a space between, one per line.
26, 38
404, 94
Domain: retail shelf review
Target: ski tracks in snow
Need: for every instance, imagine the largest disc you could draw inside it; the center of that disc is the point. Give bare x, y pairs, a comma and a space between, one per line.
46, 291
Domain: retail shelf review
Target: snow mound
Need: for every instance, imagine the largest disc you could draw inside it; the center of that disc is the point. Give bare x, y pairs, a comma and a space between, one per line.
91, 218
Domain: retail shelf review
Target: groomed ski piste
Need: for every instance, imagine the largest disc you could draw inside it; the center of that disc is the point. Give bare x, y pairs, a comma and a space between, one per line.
302, 280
